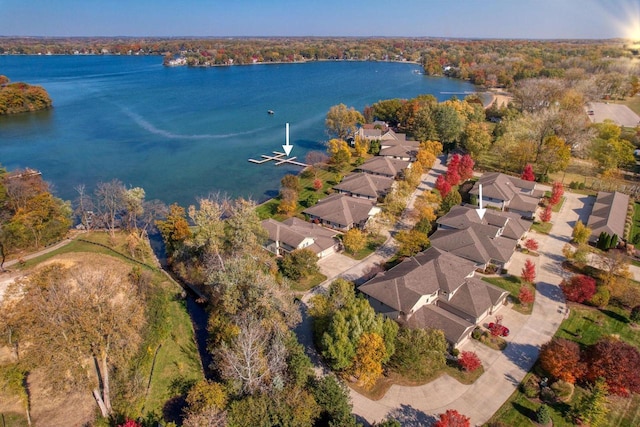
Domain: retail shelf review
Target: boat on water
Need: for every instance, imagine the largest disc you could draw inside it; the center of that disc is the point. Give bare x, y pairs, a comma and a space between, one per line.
270, 112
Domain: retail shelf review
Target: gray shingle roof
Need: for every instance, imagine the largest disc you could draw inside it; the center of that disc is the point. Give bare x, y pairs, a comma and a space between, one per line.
424, 274
609, 214
341, 209
365, 184
473, 244
293, 231
475, 297
386, 166
432, 316
504, 187
461, 217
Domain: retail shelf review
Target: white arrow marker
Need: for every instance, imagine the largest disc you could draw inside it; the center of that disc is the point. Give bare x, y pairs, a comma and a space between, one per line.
287, 147
480, 210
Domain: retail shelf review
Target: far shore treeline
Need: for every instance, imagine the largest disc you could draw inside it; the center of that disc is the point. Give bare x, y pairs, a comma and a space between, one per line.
485, 62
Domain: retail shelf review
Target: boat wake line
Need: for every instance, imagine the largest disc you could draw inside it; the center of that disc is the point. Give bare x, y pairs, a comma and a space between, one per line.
148, 126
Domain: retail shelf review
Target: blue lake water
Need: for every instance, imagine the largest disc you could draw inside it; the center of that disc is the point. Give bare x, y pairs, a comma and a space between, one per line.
181, 133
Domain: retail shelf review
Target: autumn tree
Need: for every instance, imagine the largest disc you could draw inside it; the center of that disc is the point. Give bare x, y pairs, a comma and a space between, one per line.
561, 359
545, 216
442, 186
579, 288
79, 324
528, 273
580, 233
174, 229
205, 400
339, 153
527, 173
207, 237
609, 151
469, 361
615, 361
465, 168
557, 192
288, 201
342, 122
476, 139
525, 295
452, 418
317, 184
367, 363
531, 244
554, 155
354, 240
411, 242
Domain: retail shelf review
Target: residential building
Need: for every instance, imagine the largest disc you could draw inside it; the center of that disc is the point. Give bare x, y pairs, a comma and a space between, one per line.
434, 289
496, 223
508, 193
608, 215
342, 212
364, 185
385, 166
294, 233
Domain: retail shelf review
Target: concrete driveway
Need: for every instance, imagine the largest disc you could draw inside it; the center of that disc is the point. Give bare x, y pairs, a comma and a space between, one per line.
503, 370
335, 264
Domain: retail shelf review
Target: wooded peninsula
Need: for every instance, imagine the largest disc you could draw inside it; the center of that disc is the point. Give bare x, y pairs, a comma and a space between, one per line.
22, 97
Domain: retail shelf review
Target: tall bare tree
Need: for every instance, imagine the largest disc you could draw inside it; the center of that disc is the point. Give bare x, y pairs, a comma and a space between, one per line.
110, 197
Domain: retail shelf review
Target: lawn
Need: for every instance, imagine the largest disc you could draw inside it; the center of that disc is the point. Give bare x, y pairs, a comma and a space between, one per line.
542, 227
304, 284
633, 103
635, 227
269, 209
587, 324
512, 285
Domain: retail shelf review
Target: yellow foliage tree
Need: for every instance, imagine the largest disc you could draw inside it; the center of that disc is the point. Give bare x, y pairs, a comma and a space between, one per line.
367, 364
354, 240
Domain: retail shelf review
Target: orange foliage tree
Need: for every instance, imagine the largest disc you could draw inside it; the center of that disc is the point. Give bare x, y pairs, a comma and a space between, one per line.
561, 359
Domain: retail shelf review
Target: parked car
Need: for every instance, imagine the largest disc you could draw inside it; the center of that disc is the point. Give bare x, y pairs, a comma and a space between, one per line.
503, 330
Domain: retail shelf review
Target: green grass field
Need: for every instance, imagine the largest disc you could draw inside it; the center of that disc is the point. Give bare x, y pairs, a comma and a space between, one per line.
512, 285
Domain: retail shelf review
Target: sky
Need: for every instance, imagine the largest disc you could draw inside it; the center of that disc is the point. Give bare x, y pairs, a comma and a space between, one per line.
524, 19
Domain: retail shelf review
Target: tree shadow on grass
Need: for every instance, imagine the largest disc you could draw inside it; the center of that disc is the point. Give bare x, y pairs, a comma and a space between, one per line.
408, 416
529, 413
615, 316
173, 409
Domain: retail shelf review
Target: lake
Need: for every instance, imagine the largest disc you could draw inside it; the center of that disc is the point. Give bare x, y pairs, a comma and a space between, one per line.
181, 133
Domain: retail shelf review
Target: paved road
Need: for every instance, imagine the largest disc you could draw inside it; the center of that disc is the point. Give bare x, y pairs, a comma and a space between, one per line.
503, 370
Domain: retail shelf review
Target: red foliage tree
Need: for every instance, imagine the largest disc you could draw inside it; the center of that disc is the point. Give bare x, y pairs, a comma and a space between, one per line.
469, 361
579, 288
527, 173
525, 295
130, 423
617, 362
453, 178
556, 193
452, 418
454, 163
531, 244
545, 216
317, 184
528, 271
465, 169
561, 359
443, 186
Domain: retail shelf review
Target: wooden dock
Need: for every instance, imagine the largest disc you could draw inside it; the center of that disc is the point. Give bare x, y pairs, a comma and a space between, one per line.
279, 159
